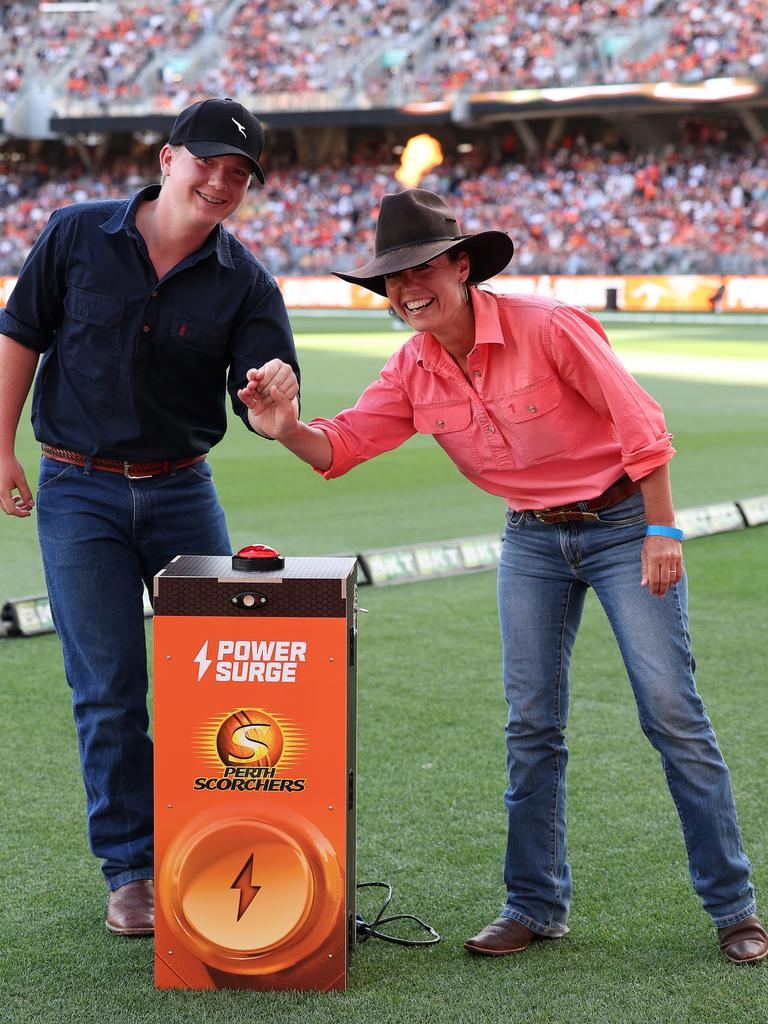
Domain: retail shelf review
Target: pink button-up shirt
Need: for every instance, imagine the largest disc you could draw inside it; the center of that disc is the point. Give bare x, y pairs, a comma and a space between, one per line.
549, 416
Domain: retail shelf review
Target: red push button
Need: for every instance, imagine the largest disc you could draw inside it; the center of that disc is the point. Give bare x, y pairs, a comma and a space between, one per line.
257, 558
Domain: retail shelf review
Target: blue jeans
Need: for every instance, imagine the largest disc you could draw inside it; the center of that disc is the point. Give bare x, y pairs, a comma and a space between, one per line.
102, 536
544, 574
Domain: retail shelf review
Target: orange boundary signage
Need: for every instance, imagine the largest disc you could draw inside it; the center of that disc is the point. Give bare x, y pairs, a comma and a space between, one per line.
692, 293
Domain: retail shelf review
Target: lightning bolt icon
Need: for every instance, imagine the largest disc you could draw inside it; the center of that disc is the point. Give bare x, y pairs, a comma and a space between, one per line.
202, 660
248, 890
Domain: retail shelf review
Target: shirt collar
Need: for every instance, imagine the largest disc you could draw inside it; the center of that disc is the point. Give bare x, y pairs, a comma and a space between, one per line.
487, 329
124, 219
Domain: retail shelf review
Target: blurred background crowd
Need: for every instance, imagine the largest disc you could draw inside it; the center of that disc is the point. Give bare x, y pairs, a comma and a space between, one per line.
671, 194
581, 209
170, 53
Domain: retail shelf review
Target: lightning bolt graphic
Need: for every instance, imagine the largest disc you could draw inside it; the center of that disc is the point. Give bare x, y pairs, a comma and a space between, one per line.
248, 890
202, 661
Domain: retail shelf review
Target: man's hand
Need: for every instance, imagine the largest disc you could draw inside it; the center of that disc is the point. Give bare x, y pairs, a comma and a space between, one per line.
273, 410
270, 397
12, 479
17, 369
662, 562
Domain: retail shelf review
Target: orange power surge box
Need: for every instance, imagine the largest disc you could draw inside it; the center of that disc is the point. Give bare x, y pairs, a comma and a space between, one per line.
255, 773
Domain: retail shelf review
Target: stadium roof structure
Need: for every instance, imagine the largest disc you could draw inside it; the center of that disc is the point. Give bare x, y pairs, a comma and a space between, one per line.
727, 95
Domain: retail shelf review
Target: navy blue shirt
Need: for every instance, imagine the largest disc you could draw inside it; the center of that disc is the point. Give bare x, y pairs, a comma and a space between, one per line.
134, 368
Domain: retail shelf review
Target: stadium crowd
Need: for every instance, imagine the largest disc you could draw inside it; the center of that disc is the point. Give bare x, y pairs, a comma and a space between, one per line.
481, 45
582, 209
302, 46
373, 52
29, 40
723, 38
427, 50
96, 57
109, 68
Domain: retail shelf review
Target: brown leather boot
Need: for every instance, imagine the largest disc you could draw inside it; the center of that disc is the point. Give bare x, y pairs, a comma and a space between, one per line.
500, 938
745, 942
131, 909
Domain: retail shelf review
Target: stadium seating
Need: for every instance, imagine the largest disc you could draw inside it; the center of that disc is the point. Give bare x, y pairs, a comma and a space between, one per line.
140, 55
487, 45
583, 209
698, 205
723, 38
101, 59
316, 51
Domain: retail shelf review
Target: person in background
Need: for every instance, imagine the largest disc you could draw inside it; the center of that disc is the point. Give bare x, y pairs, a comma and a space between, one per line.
145, 312
526, 396
716, 299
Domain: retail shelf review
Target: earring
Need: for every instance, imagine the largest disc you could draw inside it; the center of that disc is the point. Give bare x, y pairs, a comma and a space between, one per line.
466, 293
392, 311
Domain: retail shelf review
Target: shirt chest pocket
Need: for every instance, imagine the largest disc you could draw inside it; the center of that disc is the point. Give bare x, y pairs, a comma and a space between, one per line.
198, 335
534, 418
442, 417
450, 424
90, 335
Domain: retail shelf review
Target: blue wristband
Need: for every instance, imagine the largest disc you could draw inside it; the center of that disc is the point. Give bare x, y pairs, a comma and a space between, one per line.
664, 531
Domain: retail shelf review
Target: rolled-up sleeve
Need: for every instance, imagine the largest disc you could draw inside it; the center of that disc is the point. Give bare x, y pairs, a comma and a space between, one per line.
34, 310
584, 358
382, 419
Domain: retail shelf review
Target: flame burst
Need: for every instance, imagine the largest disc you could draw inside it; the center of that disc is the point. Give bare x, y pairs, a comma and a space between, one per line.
422, 153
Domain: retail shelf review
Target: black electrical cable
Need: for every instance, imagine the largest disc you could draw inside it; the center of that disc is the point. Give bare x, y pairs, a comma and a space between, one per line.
367, 930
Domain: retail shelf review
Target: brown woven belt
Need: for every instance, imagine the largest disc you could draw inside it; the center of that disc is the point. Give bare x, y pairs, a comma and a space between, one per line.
133, 470
622, 489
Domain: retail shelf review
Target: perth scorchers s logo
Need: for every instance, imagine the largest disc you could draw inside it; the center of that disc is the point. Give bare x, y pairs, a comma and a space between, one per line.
249, 737
244, 750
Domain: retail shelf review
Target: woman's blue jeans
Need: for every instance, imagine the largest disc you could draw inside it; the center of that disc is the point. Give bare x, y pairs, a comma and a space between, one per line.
102, 536
544, 574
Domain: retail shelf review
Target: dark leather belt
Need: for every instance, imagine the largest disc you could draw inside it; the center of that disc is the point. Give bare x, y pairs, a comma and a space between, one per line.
585, 510
133, 470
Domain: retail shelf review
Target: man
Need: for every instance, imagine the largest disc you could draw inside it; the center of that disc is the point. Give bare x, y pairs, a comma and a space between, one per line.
145, 312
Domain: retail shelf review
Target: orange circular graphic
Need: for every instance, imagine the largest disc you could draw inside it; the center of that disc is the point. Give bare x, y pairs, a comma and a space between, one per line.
252, 896
245, 889
249, 737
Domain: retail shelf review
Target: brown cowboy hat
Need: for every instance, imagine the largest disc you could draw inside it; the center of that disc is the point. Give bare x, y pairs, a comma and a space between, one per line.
414, 226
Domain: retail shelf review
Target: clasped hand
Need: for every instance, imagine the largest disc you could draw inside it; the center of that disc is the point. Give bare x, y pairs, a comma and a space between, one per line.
269, 395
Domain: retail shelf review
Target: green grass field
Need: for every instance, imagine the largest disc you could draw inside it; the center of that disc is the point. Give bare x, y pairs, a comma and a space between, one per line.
431, 760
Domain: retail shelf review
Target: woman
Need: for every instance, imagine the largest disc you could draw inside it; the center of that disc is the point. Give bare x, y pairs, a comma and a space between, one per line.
528, 399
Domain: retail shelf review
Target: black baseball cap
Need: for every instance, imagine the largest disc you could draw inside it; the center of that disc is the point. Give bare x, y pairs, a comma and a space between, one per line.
218, 127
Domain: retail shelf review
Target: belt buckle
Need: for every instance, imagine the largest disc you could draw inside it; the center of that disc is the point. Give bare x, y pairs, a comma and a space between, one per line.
134, 476
548, 516
544, 515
